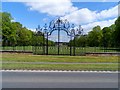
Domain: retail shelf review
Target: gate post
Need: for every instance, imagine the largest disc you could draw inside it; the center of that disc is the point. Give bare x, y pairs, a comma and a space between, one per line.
43, 44
45, 41
70, 46
58, 40
74, 46
58, 22
73, 35
47, 45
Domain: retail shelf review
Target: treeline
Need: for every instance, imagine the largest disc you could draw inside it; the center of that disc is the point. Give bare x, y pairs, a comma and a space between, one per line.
106, 37
15, 34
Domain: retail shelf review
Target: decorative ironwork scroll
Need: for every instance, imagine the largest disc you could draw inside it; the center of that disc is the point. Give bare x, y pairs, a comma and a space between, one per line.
59, 25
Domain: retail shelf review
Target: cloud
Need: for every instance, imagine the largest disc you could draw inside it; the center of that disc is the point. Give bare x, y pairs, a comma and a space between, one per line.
89, 19
102, 24
81, 16
52, 7
104, 0
112, 12
73, 14
65, 9
31, 29
85, 16
110, 0
71, 0
13, 20
45, 20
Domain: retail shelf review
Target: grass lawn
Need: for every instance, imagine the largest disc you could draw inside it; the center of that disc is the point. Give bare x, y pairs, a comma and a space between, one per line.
15, 57
61, 66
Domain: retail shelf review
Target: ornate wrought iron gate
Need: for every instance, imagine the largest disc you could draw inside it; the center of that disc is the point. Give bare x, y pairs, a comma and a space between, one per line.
56, 49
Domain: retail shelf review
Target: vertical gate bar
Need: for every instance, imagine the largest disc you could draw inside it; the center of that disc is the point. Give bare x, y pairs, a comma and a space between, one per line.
47, 45
58, 35
33, 44
74, 45
70, 46
43, 45
58, 40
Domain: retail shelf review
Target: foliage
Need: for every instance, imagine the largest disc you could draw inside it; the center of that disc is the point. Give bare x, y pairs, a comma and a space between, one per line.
14, 34
117, 32
7, 31
81, 41
107, 37
94, 37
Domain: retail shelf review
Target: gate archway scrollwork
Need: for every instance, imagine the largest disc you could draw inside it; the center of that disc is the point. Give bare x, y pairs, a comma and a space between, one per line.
58, 25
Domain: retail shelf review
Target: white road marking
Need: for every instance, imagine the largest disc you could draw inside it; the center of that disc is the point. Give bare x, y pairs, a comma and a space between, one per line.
58, 71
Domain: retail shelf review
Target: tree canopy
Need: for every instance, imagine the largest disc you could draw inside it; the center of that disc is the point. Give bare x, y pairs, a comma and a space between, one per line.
107, 37
14, 33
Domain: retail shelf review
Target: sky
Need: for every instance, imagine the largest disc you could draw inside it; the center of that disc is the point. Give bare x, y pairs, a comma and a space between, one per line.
87, 14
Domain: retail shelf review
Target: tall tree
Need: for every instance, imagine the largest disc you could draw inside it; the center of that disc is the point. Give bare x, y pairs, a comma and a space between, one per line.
107, 33
112, 37
7, 31
81, 41
13, 33
94, 37
24, 37
117, 32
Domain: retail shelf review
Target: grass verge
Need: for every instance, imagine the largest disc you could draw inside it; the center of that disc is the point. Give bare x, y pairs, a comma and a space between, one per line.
72, 59
15, 57
113, 67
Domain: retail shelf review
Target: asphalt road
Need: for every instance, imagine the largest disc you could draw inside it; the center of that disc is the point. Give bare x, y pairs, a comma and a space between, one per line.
59, 80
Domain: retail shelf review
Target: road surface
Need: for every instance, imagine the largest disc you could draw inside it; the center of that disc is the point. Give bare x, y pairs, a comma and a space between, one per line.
59, 80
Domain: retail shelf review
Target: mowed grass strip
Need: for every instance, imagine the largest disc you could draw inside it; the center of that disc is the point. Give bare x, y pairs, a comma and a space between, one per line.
106, 67
16, 57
